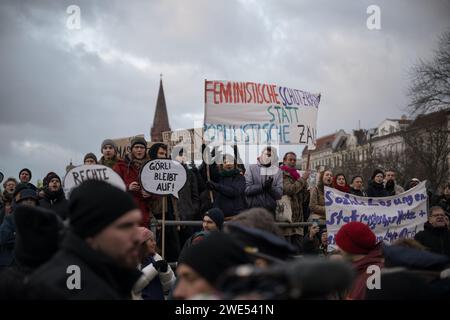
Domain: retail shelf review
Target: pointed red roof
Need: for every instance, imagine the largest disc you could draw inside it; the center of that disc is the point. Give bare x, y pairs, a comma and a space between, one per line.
161, 119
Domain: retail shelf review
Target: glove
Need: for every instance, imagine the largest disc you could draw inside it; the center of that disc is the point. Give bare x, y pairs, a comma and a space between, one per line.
390, 184
210, 185
268, 184
161, 265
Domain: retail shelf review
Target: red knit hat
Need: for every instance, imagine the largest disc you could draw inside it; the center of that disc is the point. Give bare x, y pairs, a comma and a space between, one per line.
356, 238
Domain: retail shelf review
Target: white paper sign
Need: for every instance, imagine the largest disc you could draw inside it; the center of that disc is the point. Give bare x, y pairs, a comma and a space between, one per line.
82, 173
163, 176
390, 218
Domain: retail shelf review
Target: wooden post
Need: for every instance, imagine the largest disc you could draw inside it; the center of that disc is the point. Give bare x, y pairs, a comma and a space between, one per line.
164, 206
307, 160
208, 176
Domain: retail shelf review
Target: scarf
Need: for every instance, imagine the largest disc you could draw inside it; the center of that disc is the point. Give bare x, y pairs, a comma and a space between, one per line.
292, 172
229, 173
53, 195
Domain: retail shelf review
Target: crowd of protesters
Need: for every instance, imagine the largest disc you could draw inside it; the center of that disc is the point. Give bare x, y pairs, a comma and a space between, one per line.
104, 243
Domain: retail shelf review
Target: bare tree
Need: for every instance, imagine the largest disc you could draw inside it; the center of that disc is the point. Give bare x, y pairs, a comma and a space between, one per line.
428, 149
430, 88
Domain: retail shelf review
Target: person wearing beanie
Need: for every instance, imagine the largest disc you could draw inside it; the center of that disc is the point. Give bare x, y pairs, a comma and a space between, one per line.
201, 266
54, 197
359, 245
376, 187
213, 220
25, 175
102, 241
23, 196
25, 178
128, 169
109, 153
157, 276
90, 158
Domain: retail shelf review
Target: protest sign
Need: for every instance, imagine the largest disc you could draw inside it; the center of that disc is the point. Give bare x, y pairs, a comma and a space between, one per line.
124, 145
255, 113
82, 173
163, 176
190, 140
390, 218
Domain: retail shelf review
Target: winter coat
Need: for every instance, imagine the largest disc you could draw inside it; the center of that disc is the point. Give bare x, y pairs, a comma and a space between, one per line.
229, 193
295, 190
130, 173
359, 287
7, 241
317, 203
101, 277
56, 202
435, 239
256, 196
376, 190
153, 285
359, 193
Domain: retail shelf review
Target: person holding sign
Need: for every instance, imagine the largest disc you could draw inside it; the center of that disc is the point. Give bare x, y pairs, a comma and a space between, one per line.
128, 169
264, 181
109, 153
229, 189
376, 187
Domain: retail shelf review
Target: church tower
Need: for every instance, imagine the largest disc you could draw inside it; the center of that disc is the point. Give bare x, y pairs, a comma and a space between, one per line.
161, 119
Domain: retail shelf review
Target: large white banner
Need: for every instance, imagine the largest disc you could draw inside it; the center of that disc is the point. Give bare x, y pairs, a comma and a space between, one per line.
390, 218
255, 113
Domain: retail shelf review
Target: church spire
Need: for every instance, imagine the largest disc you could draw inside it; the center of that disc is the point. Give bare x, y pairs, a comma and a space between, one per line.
161, 119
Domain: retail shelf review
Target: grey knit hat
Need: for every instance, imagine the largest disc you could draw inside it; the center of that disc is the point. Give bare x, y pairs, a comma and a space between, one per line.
108, 142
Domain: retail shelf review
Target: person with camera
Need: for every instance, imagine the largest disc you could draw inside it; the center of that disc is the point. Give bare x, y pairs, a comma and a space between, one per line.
158, 278
315, 241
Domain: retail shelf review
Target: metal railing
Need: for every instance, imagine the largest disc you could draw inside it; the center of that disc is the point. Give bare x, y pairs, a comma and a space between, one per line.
199, 223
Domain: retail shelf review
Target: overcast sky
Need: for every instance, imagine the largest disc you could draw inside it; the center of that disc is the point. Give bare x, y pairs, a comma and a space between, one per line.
63, 91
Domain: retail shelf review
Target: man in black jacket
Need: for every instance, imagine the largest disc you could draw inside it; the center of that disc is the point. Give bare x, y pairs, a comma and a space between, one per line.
435, 235
99, 256
54, 198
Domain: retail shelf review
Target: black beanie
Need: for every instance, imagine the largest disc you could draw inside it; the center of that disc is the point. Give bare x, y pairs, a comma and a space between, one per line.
213, 256
38, 233
49, 177
138, 140
90, 155
377, 171
96, 204
153, 151
27, 170
216, 215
